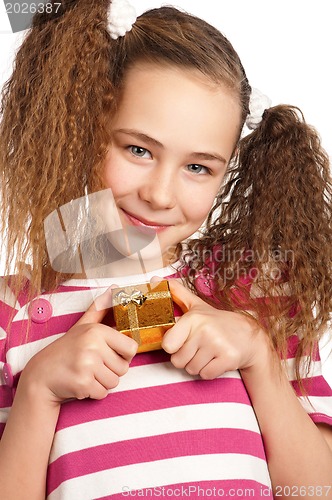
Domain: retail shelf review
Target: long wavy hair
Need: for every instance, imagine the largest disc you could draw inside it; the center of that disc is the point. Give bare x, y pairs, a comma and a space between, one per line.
275, 205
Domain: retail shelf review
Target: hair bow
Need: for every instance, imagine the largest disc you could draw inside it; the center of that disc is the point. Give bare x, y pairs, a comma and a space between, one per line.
121, 17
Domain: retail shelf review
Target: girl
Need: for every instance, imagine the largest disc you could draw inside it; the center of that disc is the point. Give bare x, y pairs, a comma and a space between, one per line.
153, 109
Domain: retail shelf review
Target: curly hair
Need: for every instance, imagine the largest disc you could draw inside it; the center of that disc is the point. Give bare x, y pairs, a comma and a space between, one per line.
55, 130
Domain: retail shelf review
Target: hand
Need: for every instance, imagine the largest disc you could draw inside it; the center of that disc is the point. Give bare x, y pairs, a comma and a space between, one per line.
208, 341
85, 362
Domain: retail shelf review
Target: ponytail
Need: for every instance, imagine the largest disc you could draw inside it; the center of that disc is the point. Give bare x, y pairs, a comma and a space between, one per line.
277, 219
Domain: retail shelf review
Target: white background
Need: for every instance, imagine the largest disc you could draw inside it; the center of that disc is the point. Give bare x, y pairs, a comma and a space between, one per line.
284, 46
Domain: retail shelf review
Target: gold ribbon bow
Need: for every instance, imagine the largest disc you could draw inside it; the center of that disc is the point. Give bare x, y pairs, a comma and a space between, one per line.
135, 297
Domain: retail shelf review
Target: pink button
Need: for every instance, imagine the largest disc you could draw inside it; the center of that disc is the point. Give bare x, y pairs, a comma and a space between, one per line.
40, 310
7, 375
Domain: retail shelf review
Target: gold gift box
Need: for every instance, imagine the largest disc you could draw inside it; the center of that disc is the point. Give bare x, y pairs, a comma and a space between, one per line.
144, 312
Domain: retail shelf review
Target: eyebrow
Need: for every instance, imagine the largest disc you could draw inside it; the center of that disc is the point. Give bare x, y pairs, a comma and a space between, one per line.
209, 156
150, 140
140, 135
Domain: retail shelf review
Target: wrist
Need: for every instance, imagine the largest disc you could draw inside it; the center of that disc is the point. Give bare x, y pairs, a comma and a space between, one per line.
34, 390
264, 359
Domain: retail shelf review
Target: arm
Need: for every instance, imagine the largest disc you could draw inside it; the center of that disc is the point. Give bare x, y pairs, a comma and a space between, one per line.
326, 431
85, 362
209, 342
26, 443
297, 453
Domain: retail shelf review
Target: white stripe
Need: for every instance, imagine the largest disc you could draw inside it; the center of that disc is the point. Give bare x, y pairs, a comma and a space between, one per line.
319, 404
154, 423
158, 374
4, 412
19, 356
156, 474
315, 368
124, 280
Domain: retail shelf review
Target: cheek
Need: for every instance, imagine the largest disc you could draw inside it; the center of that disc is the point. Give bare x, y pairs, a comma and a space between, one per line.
197, 211
115, 176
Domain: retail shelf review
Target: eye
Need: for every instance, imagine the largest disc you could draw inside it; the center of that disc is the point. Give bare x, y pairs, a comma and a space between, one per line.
139, 152
198, 169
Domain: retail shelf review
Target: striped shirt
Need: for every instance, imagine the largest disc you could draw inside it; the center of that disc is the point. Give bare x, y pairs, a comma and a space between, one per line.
160, 432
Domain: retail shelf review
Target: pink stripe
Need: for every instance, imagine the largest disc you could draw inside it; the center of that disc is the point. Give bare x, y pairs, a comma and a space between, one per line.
7, 314
236, 488
293, 343
153, 398
320, 418
179, 444
6, 396
149, 358
315, 386
2, 428
72, 288
56, 325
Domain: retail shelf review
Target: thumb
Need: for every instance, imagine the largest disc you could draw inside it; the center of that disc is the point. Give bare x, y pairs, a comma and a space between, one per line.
99, 308
183, 297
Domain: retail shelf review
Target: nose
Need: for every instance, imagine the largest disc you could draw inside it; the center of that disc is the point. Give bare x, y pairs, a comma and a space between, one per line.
159, 188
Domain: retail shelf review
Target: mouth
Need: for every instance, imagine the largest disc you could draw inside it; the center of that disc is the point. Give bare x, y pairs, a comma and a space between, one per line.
144, 224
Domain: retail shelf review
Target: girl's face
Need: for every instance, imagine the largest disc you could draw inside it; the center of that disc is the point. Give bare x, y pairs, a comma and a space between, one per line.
173, 136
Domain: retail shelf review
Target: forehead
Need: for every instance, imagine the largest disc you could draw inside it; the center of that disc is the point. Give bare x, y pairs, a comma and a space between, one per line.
174, 104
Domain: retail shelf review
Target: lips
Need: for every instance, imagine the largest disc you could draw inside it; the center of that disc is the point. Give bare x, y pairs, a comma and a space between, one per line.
144, 223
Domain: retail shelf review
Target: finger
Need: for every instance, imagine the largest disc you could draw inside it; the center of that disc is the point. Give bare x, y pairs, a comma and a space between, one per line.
181, 295
184, 355
98, 309
213, 369
121, 343
96, 391
199, 361
176, 336
117, 362
106, 377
